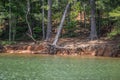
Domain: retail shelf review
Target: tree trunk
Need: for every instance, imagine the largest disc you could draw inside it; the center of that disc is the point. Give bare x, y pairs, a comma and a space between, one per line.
80, 13
61, 25
69, 11
10, 24
84, 6
43, 13
93, 33
14, 27
30, 34
98, 21
28, 12
49, 25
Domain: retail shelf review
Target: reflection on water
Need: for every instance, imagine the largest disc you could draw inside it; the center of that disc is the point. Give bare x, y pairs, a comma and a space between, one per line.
37, 67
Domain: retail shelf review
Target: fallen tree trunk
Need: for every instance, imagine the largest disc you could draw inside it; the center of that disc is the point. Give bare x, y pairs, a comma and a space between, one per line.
61, 25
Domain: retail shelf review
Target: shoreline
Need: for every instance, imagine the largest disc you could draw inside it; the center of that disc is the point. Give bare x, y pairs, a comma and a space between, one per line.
56, 55
67, 46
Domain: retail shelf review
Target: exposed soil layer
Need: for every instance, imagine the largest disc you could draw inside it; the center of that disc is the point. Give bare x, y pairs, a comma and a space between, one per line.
68, 46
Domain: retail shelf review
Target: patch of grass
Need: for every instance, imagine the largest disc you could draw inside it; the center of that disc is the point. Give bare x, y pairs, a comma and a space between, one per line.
7, 42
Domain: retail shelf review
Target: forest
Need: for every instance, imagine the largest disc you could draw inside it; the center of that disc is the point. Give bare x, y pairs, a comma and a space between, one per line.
59, 39
60, 23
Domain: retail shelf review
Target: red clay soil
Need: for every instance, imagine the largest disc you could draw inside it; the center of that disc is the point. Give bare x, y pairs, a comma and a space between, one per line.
69, 46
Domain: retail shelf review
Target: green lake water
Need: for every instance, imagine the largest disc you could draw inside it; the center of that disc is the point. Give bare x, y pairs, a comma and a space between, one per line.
37, 67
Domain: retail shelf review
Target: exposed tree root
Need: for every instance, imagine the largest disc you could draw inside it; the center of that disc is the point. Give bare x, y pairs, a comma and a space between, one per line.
47, 48
95, 50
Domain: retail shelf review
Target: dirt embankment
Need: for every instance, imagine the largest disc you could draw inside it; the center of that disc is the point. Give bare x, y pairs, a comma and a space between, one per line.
67, 47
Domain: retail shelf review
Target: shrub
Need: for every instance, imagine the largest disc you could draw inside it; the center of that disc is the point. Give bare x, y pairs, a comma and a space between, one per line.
116, 30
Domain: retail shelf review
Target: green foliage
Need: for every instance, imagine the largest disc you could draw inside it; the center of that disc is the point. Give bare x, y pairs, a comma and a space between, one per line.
71, 25
1, 31
115, 31
38, 16
19, 8
37, 31
115, 12
75, 9
100, 4
70, 28
20, 31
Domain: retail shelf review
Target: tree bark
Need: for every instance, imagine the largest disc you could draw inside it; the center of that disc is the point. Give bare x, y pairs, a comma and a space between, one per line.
98, 21
80, 13
30, 34
10, 24
43, 13
93, 33
14, 27
28, 11
61, 25
84, 6
49, 25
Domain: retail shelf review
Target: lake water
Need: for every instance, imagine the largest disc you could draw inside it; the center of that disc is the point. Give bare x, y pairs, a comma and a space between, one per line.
37, 67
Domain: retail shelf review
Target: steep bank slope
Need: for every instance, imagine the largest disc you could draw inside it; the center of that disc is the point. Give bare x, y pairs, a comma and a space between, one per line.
68, 46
